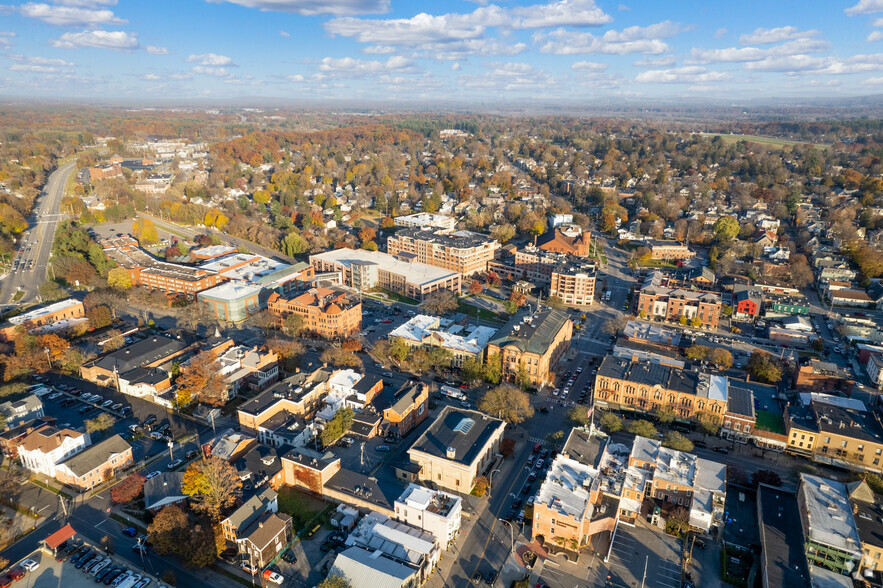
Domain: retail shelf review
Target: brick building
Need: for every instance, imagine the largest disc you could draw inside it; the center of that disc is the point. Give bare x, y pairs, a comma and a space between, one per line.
669, 250
96, 464
409, 408
670, 304
531, 345
43, 316
332, 314
573, 283
570, 240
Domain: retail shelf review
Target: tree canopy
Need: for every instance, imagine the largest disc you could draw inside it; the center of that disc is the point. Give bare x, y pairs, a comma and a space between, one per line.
507, 402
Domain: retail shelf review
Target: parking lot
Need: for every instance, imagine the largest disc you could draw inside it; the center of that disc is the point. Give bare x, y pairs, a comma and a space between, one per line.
52, 574
641, 553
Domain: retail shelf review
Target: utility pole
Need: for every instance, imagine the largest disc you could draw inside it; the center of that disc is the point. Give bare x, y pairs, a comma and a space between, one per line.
646, 560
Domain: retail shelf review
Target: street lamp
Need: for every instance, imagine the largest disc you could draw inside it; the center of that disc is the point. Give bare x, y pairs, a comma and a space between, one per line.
490, 485
171, 444
48, 357
511, 535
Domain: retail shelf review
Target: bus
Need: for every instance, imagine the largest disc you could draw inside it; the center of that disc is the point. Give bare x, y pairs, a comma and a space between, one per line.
452, 393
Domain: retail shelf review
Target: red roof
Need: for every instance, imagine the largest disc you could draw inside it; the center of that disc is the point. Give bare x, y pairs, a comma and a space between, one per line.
59, 537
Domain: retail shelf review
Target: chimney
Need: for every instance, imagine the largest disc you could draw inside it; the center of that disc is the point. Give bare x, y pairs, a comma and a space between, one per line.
451, 453
854, 508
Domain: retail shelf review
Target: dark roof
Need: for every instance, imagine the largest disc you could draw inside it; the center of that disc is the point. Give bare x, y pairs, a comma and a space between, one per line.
453, 239
141, 375
262, 461
534, 336
287, 388
363, 487
649, 374
867, 514
583, 447
96, 455
267, 526
141, 353
465, 431
784, 561
875, 290
406, 396
167, 484
304, 458
367, 382
740, 401
861, 425
253, 508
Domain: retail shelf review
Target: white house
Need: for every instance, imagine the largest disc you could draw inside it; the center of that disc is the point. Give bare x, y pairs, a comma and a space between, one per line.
46, 447
431, 510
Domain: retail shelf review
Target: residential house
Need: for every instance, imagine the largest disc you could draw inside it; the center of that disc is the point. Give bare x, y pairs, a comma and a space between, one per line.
434, 511
164, 490
152, 352
302, 395
867, 512
265, 538
669, 250
19, 412
569, 239
265, 500
672, 304
747, 301
96, 464
409, 408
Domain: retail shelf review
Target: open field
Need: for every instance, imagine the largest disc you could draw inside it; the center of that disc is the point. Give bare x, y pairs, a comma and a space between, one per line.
728, 138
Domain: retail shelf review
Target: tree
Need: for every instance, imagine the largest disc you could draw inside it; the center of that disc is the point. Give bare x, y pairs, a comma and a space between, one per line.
503, 233
50, 292
351, 345
767, 477
678, 521
119, 279
517, 298
697, 352
665, 414
801, 273
610, 422
726, 311
475, 287
214, 485
616, 325
338, 357
764, 367
294, 244
293, 324
507, 447
144, 230
369, 246
335, 581
725, 228
818, 344
708, 426
695, 322
721, 358
440, 303
642, 428
201, 380
99, 316
129, 489
367, 234
507, 402
100, 423
579, 416
674, 440
337, 427
53, 345
169, 530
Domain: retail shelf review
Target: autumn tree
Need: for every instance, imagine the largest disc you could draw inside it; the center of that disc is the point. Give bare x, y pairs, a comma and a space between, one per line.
721, 358
697, 352
503, 233
676, 441
53, 345
99, 316
339, 357
144, 230
610, 422
335, 581
129, 489
293, 324
174, 532
726, 228
101, 423
507, 402
351, 345
50, 292
764, 367
440, 302
616, 325
119, 279
475, 287
201, 380
213, 484
367, 234
642, 428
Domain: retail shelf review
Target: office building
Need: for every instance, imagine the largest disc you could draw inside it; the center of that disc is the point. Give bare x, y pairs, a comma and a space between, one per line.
464, 252
530, 345
463, 342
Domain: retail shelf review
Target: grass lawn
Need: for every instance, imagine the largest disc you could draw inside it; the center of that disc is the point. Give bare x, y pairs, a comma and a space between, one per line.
396, 297
479, 313
18, 296
770, 421
762, 140
656, 263
301, 506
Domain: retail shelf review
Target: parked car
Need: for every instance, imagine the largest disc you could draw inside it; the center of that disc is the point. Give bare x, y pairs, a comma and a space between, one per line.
30, 565
152, 475
191, 454
491, 577
247, 567
382, 448
537, 447
273, 577
175, 463
16, 573
288, 555
721, 450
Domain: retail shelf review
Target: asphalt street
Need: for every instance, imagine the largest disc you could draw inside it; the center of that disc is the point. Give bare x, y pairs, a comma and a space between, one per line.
30, 265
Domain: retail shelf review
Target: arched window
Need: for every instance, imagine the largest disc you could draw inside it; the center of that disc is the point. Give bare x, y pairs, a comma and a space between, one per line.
616, 386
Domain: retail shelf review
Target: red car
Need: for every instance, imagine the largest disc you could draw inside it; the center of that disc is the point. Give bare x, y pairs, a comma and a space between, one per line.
386, 321
16, 573
537, 447
5, 581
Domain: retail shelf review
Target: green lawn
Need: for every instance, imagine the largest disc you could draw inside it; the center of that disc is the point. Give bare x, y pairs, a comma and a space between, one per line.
770, 421
656, 263
301, 506
762, 140
479, 313
396, 297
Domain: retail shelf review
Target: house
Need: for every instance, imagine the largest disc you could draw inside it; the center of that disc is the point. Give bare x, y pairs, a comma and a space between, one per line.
262, 465
95, 464
425, 220
747, 301
867, 511
302, 395
815, 375
252, 368
530, 345
409, 408
266, 500
163, 490
144, 382
265, 538
456, 448
19, 412
46, 447
229, 445
784, 559
655, 301
362, 568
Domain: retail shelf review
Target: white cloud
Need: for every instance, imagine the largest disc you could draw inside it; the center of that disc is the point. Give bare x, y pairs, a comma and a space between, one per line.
647, 40
465, 49
296, 79
86, 3
720, 33
181, 76
873, 81
348, 66
379, 50
663, 61
875, 36
623, 8
149, 77
789, 63
796, 64
508, 77
681, 75
589, 66
39, 60
865, 7
62, 16
6, 39
564, 13
154, 50
743, 54
34, 68
284, 34
776, 35
455, 66
211, 59
114, 40
315, 7
878, 22
215, 72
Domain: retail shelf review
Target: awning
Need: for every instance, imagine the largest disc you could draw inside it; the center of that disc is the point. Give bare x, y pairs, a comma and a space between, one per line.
59, 537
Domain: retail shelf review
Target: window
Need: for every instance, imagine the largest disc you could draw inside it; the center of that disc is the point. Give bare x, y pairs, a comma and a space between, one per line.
843, 444
553, 521
827, 439
861, 448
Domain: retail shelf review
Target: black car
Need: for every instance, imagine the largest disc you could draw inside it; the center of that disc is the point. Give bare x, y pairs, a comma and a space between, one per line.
721, 450
100, 576
288, 555
108, 579
149, 420
84, 560
525, 490
516, 504
477, 577
491, 577
192, 454
510, 516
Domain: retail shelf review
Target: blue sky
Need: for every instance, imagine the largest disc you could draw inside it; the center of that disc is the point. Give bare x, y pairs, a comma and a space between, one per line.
461, 51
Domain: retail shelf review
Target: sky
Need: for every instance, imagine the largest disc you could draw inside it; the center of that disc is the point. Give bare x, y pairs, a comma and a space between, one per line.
479, 51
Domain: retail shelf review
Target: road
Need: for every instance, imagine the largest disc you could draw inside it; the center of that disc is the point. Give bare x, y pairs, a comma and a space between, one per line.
29, 267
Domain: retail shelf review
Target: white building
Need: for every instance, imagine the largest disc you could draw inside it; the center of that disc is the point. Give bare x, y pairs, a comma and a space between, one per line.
19, 412
46, 447
425, 220
398, 542
462, 341
349, 389
430, 510
874, 367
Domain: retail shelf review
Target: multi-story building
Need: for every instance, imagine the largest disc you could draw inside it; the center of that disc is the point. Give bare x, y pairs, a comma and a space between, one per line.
669, 250
301, 395
403, 274
431, 331
569, 239
831, 538
433, 511
409, 408
95, 464
573, 283
264, 539
425, 220
19, 412
332, 314
747, 301
456, 448
46, 447
265, 500
102, 172
530, 345
645, 387
823, 376
658, 302
46, 316
867, 512
464, 252
148, 353
536, 265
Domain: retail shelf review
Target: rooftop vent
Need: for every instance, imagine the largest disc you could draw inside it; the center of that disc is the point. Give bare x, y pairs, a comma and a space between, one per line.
451, 453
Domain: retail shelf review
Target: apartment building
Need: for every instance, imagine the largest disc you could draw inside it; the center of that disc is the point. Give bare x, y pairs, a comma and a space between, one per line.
95, 464
425, 220
430, 510
463, 342
867, 510
816, 375
328, 313
409, 408
464, 252
671, 304
233, 527
385, 537
105, 171
456, 448
747, 301
265, 538
669, 250
366, 270
536, 265
19, 412
47, 315
831, 538
645, 387
530, 345
47, 446
301, 395
573, 283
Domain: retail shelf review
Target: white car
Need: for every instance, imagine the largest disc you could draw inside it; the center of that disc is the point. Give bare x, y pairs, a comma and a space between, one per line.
275, 577
30, 565
152, 475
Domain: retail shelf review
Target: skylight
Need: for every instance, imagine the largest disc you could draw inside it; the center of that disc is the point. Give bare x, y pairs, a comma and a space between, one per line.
464, 425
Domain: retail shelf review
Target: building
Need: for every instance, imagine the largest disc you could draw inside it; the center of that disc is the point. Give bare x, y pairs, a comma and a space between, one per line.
668, 250
366, 270
409, 408
874, 367
265, 538
747, 301
657, 302
784, 562
332, 314
867, 513
462, 342
534, 265
60, 312
433, 511
163, 490
456, 448
786, 305
19, 412
47, 446
96, 464
573, 283
822, 376
251, 368
530, 345
569, 239
233, 527
369, 569
144, 382
144, 270
102, 172
400, 542
232, 301
301, 395
425, 220
152, 352
831, 538
464, 252
644, 387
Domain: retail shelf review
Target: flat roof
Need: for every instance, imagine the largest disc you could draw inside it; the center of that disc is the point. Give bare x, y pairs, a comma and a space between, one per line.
415, 272
567, 486
141, 353
244, 266
829, 514
465, 431
446, 237
42, 311
784, 560
229, 291
471, 339
532, 332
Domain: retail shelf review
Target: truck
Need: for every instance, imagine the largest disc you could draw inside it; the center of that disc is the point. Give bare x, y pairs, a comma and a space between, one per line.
607, 295
452, 393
